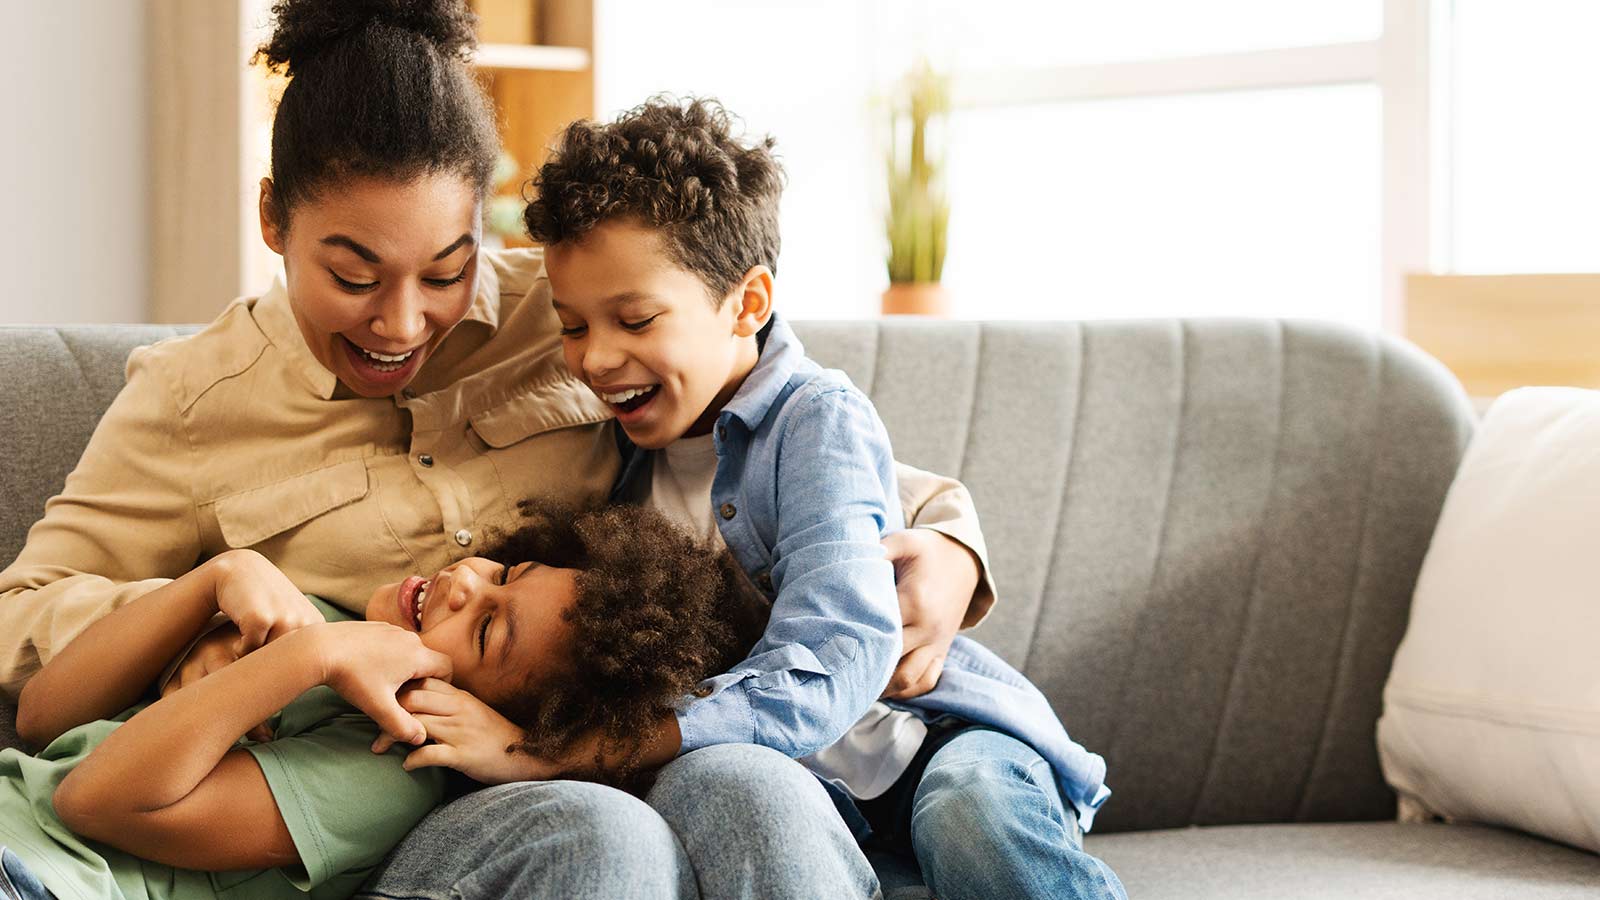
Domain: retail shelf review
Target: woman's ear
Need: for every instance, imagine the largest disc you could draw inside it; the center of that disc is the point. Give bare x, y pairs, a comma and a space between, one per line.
271, 228
753, 302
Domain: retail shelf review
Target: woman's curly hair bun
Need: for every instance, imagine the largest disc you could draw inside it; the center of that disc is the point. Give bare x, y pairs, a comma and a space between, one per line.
306, 28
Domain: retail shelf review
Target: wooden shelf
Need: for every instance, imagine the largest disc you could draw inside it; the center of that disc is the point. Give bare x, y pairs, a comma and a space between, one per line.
531, 57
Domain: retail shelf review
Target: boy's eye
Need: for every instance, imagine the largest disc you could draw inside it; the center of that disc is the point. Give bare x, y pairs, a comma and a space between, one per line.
483, 636
505, 574
640, 325
352, 286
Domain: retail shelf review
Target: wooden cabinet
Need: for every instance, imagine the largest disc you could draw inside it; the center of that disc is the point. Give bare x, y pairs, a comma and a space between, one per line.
537, 88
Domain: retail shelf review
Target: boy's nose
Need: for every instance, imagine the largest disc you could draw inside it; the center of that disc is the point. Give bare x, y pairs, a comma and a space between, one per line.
600, 360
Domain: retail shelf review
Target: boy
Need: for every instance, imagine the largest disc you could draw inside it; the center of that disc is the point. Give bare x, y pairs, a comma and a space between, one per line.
661, 241
166, 799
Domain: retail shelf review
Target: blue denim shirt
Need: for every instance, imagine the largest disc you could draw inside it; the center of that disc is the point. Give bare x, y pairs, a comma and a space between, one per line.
805, 490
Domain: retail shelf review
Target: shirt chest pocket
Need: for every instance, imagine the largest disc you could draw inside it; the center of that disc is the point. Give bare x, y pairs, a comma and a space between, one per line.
257, 515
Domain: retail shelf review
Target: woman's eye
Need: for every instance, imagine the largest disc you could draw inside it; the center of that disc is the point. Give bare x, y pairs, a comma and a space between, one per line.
483, 636
640, 325
352, 286
574, 331
447, 282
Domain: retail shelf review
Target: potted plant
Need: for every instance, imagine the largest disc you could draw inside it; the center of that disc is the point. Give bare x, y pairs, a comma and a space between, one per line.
919, 212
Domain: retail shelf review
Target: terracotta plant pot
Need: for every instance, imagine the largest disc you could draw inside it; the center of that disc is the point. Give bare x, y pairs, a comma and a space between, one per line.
916, 298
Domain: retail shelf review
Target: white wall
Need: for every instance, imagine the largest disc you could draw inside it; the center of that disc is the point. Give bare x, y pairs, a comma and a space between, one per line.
73, 192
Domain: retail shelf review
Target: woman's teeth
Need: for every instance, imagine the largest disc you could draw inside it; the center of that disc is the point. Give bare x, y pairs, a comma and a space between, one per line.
385, 362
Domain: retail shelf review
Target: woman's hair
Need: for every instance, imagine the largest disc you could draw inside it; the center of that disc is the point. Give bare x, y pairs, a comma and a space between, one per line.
376, 88
657, 612
678, 167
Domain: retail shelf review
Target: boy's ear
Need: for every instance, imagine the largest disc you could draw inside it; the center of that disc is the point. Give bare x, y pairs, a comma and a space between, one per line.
753, 299
271, 228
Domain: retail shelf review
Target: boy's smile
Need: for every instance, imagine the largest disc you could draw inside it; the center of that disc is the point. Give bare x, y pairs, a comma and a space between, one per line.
642, 332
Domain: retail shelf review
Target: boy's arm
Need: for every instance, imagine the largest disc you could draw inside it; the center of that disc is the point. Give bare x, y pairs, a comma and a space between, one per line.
170, 785
834, 632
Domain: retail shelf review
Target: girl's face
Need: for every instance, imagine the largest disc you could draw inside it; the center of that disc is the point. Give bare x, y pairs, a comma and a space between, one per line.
501, 626
378, 273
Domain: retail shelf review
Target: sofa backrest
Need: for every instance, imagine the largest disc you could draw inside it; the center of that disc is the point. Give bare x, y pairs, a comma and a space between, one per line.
1205, 533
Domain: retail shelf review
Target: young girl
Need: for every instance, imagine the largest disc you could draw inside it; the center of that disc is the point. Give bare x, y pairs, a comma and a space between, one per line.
574, 632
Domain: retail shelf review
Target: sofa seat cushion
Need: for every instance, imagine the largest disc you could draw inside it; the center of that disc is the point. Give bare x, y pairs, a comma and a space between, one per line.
1373, 861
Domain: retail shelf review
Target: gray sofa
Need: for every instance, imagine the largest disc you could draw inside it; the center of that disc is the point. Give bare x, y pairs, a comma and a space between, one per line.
1205, 535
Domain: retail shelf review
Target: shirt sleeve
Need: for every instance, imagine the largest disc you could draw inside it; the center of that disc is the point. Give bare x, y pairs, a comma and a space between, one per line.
124, 525
834, 633
942, 504
345, 806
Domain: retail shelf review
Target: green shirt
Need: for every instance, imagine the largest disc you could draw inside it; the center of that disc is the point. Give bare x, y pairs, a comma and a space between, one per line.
345, 807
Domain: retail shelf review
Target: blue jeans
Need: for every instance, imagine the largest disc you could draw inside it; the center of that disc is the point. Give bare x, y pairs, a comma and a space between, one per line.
728, 821
17, 882
982, 815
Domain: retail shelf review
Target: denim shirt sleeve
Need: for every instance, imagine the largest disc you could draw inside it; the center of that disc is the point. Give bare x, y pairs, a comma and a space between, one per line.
834, 633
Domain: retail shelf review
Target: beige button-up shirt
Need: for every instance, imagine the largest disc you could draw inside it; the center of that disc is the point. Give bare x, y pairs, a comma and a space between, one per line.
237, 437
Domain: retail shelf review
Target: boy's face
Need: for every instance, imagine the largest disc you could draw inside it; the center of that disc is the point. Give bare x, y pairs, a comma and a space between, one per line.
639, 330
500, 625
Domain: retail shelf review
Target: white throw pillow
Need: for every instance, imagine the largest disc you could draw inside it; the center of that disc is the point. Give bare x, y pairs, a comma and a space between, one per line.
1492, 709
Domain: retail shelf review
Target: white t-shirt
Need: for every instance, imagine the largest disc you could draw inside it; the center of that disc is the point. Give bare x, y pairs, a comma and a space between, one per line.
878, 748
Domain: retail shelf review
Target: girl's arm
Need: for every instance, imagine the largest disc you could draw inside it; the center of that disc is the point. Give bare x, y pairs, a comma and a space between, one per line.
170, 786
107, 668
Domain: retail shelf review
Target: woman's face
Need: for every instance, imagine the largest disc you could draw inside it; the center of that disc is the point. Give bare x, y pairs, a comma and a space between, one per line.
378, 272
501, 626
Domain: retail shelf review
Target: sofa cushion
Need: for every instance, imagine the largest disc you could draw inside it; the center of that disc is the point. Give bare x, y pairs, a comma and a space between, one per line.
1373, 861
1492, 711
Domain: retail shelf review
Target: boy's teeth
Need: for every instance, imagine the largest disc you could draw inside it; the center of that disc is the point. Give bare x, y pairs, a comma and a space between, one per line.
627, 395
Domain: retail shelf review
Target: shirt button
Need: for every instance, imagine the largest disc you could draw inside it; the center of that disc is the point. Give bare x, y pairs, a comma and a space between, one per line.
426, 460
765, 581
728, 511
463, 537
722, 432
703, 691
408, 393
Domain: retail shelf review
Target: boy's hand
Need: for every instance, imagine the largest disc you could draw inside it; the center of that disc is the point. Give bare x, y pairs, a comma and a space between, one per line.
464, 734
368, 663
935, 577
259, 598
216, 650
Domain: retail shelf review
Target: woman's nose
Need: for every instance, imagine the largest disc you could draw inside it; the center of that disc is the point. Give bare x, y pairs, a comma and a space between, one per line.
400, 318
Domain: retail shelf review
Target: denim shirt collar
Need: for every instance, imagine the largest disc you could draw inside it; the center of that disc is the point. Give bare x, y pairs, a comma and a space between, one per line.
781, 355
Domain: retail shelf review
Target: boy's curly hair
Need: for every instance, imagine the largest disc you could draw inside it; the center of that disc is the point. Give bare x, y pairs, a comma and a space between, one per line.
657, 612
675, 166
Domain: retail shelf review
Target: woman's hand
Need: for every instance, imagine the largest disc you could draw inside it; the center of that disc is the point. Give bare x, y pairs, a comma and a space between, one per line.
369, 662
464, 734
935, 576
259, 599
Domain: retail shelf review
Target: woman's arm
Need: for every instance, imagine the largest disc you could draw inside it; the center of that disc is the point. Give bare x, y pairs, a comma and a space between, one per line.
170, 786
124, 524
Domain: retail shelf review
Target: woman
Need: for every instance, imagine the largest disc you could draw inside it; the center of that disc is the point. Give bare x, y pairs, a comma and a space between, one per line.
378, 413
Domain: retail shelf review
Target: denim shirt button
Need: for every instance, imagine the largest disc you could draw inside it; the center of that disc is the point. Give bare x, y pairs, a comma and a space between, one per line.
703, 691
722, 432
728, 511
765, 580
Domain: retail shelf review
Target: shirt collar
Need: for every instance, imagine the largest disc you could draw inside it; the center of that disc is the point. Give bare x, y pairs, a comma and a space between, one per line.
275, 315
276, 319
781, 355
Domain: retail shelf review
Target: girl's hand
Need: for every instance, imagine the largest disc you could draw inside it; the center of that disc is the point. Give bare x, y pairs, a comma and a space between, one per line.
259, 599
368, 663
465, 734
